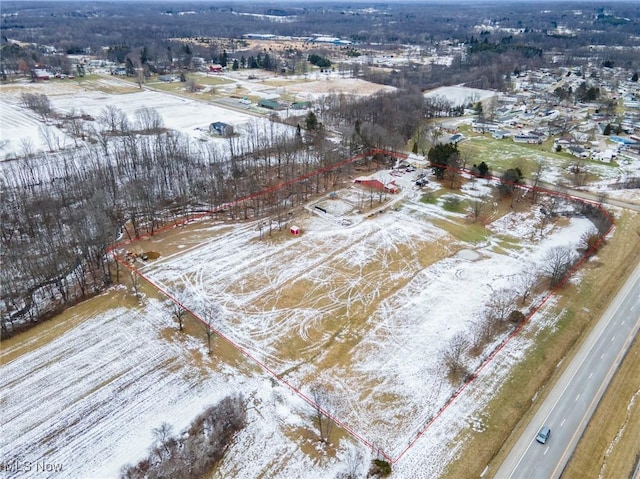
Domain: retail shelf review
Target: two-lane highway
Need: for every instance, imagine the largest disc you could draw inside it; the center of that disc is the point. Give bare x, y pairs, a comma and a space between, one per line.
570, 404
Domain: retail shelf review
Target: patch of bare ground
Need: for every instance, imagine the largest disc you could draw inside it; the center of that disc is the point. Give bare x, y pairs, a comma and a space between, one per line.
345, 319
578, 309
609, 447
222, 351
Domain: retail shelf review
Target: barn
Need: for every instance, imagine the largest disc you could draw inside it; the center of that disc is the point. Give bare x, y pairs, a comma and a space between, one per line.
381, 181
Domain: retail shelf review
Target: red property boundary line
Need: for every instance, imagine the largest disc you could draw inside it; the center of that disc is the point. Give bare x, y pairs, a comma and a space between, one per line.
292, 387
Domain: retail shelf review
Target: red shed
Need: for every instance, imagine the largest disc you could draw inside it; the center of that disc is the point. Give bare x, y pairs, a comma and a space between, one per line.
295, 231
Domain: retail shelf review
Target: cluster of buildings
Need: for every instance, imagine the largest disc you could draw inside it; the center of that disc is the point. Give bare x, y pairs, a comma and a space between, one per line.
535, 110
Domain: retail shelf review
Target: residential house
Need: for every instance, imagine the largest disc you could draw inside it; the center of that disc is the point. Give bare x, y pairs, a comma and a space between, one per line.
531, 139
220, 128
380, 180
500, 134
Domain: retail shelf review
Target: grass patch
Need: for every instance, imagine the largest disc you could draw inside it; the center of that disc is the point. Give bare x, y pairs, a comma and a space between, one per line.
467, 232
211, 80
453, 204
429, 198
503, 154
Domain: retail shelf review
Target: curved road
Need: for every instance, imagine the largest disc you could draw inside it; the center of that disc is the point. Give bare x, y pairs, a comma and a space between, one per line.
570, 404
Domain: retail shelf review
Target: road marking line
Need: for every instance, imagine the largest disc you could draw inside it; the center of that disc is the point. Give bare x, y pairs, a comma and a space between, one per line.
602, 356
546, 450
577, 397
590, 375
614, 337
589, 411
562, 423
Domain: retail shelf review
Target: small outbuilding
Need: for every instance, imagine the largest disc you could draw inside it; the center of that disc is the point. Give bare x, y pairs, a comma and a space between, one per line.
40, 75
295, 231
270, 104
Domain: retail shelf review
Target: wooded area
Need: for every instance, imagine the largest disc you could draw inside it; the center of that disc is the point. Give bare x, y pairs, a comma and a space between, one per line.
61, 211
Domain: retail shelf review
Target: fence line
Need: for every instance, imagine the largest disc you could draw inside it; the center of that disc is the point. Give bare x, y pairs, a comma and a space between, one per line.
292, 387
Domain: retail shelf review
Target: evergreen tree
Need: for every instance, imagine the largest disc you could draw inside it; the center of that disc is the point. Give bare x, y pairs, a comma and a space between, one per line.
144, 55
311, 122
440, 157
483, 169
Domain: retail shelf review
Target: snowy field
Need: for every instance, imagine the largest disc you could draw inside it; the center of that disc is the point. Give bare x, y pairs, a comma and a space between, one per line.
22, 128
365, 311
362, 311
87, 402
23, 131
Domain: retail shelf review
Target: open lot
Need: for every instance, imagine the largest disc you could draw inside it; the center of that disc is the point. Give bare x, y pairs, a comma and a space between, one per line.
361, 309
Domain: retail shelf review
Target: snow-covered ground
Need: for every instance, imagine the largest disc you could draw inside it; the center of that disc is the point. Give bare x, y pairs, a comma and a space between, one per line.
22, 128
291, 306
23, 131
88, 402
363, 310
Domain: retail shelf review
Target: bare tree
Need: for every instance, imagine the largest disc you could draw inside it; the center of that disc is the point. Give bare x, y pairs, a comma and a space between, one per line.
557, 264
537, 176
453, 358
113, 119
500, 304
477, 207
323, 407
353, 463
525, 281
207, 321
162, 435
149, 120
39, 103
481, 334
48, 136
579, 171
178, 312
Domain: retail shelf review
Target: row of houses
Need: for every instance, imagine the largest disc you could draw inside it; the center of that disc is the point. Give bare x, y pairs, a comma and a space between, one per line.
277, 106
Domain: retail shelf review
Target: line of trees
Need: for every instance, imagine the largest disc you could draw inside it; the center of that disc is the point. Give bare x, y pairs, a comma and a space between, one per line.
503, 307
194, 453
61, 211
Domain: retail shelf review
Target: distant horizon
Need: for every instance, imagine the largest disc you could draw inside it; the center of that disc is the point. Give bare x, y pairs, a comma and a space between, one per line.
329, 2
